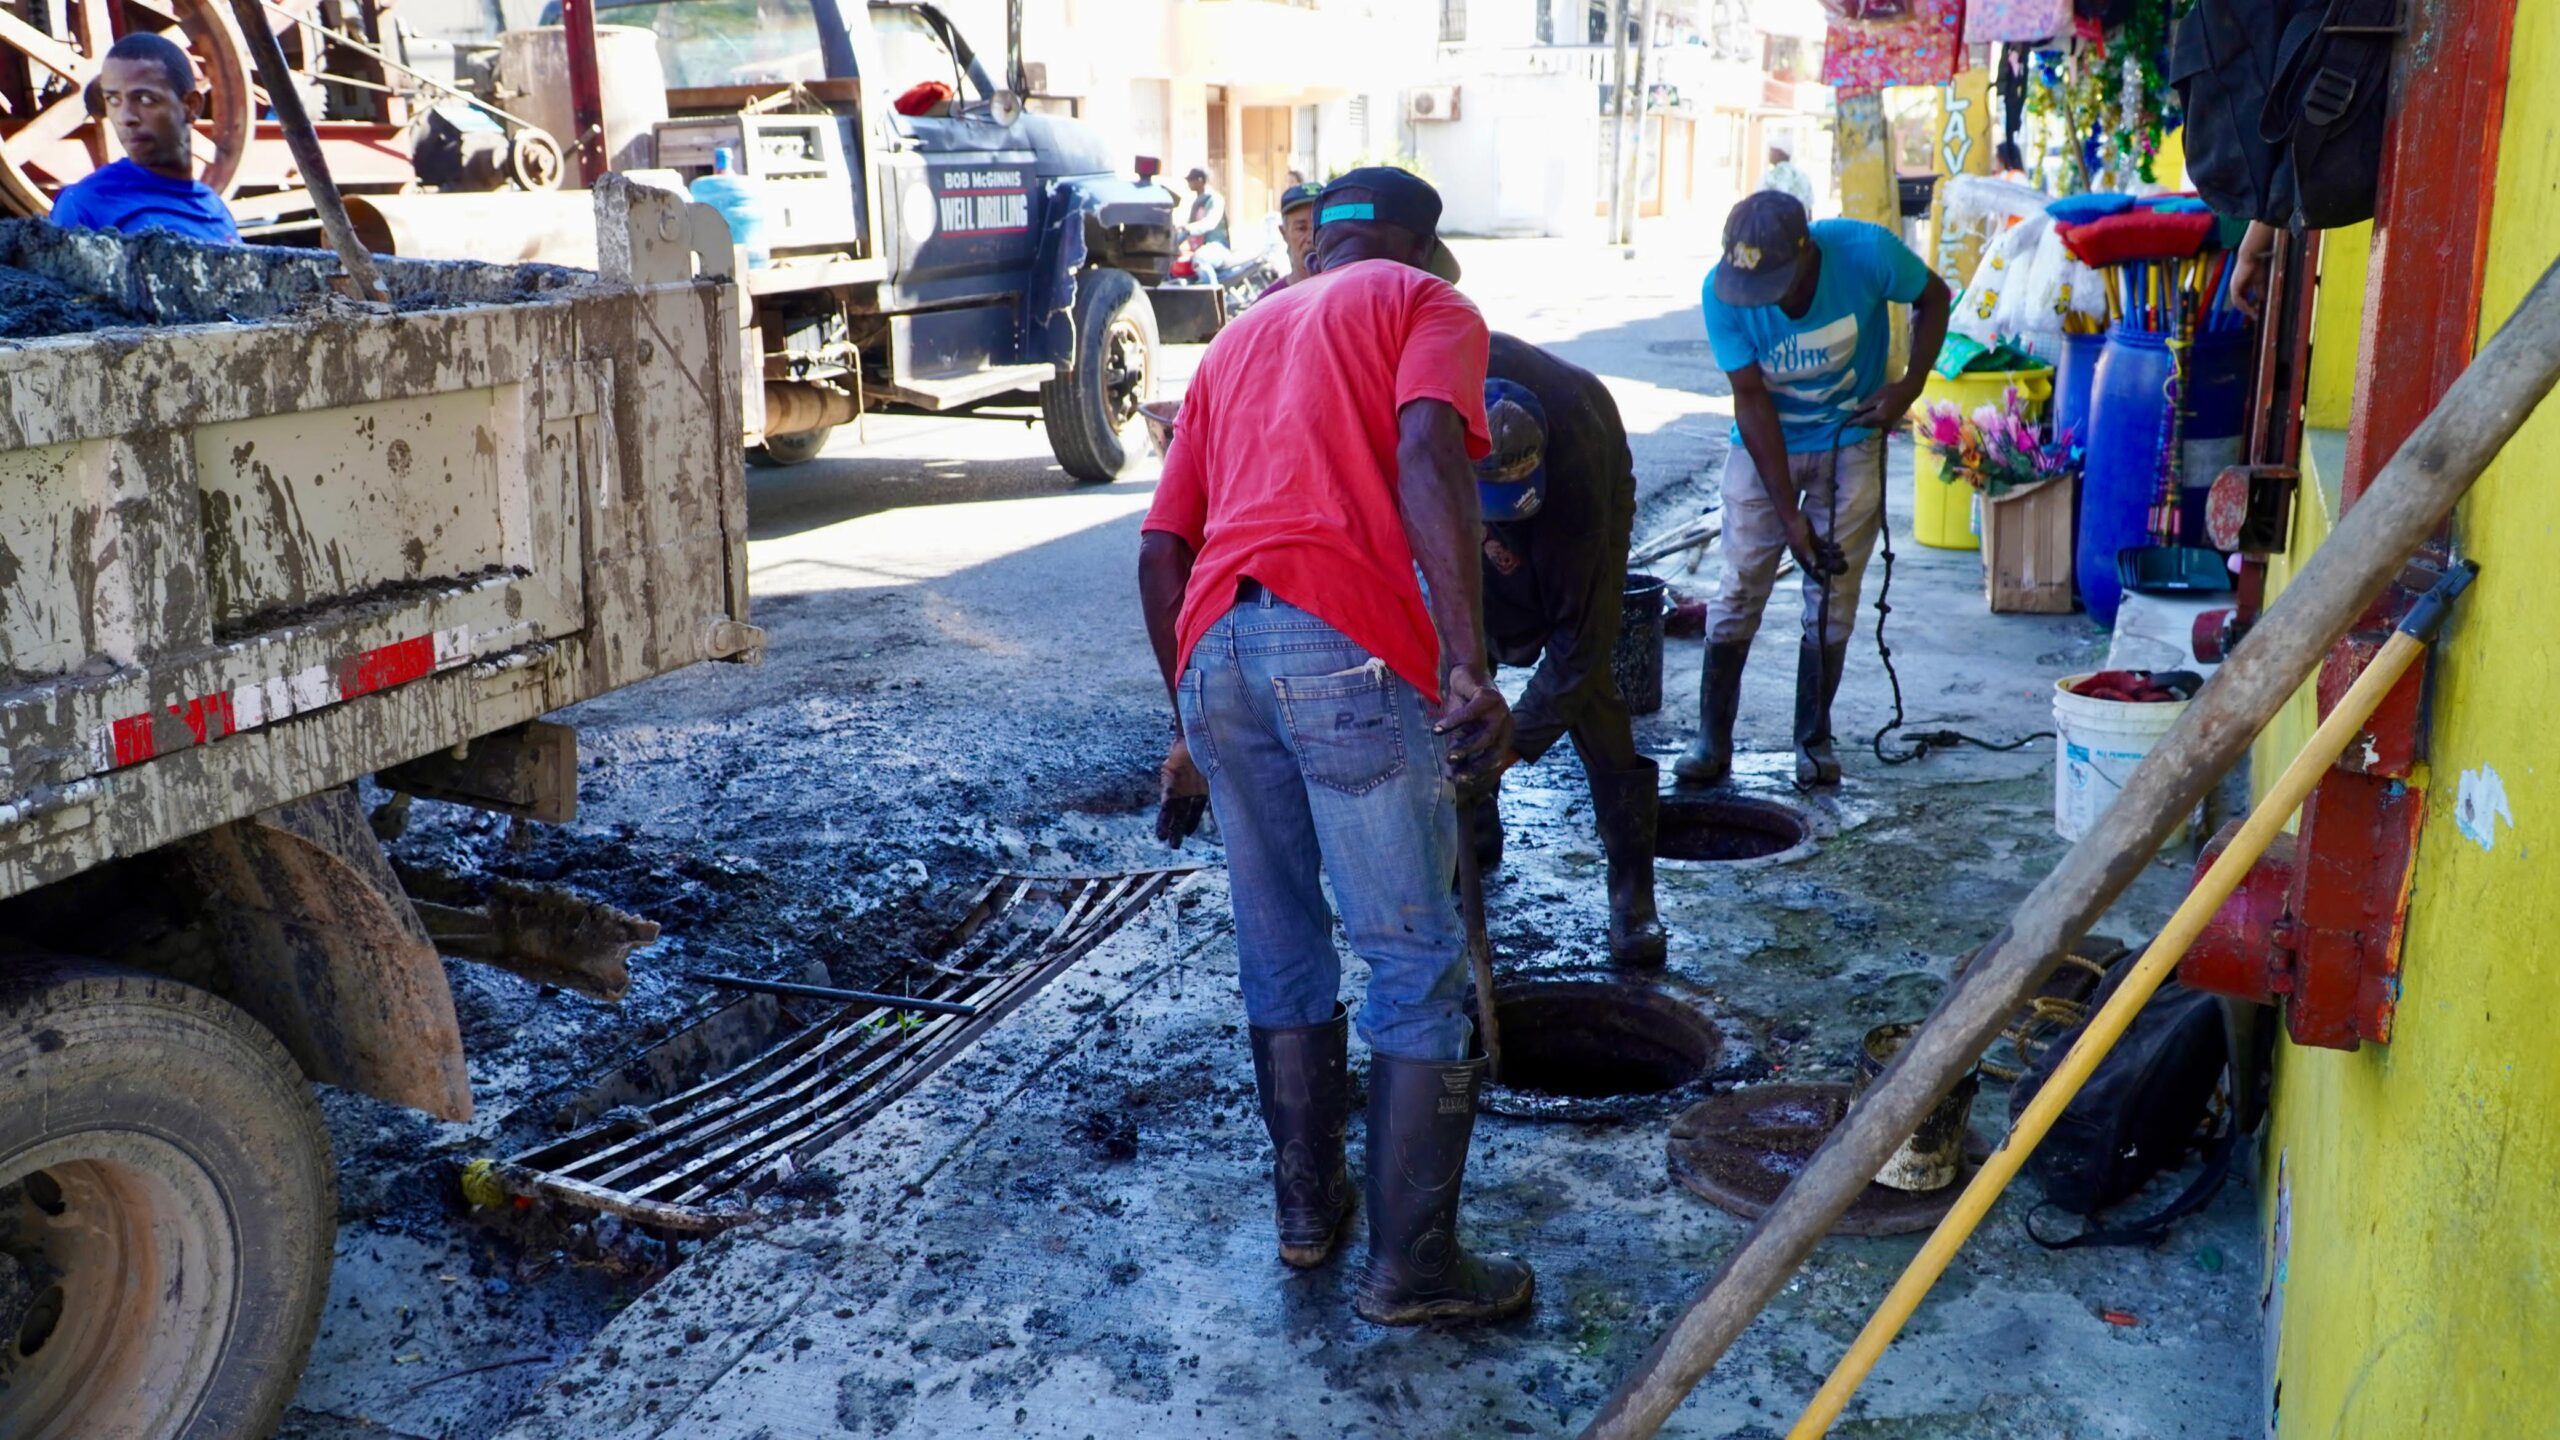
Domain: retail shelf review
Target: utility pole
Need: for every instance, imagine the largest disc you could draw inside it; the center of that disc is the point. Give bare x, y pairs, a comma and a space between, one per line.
1625, 233
1617, 110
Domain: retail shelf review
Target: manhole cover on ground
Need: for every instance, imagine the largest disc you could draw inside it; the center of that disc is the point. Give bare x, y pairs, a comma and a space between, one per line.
1597, 1050
1721, 829
1738, 1150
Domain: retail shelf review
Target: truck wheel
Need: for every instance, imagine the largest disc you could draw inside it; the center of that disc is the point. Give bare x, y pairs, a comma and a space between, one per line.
167, 1209
780, 450
1092, 410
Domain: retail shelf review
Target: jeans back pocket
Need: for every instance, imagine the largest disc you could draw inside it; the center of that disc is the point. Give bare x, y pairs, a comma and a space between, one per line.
1346, 726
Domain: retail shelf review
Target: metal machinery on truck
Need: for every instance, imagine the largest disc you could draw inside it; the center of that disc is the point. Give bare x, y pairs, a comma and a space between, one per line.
258, 546
966, 255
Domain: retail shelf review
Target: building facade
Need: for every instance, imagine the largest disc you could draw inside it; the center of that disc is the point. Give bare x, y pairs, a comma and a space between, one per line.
1518, 117
1250, 89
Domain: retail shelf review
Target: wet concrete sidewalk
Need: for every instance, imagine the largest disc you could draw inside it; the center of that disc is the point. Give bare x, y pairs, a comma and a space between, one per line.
1066, 1233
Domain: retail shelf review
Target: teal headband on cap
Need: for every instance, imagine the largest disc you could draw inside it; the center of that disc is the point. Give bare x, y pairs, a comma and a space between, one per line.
1331, 213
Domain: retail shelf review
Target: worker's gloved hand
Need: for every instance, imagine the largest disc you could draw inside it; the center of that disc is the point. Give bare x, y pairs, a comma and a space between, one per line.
1182, 795
1476, 721
1818, 555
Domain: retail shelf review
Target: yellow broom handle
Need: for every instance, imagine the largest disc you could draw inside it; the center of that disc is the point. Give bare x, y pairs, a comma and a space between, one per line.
2107, 1027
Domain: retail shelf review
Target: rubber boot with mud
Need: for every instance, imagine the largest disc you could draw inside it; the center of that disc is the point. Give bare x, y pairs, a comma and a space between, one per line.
1818, 670
1628, 806
1421, 1115
1709, 758
1480, 825
1303, 1074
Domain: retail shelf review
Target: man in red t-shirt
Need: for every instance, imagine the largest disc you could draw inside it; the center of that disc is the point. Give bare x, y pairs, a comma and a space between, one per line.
1328, 694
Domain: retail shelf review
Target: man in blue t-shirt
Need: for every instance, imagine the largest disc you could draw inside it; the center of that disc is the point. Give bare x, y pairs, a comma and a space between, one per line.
1797, 320
146, 90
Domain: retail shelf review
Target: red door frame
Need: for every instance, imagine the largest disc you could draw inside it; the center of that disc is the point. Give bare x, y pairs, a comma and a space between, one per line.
2335, 951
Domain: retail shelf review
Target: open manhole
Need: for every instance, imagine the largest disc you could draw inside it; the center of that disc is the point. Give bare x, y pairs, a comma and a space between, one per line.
1722, 829
1597, 1050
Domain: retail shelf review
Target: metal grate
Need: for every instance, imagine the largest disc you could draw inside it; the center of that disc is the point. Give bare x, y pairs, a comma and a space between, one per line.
691, 1161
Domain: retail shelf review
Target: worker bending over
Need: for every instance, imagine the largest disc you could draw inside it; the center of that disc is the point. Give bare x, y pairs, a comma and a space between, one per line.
1559, 501
146, 91
1321, 457
1796, 318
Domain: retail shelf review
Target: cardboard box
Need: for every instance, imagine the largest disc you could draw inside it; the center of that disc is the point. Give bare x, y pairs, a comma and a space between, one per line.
2026, 549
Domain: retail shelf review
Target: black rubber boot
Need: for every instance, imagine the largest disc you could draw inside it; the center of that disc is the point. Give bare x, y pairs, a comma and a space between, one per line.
1304, 1077
1818, 670
1480, 825
1421, 1114
1628, 806
1709, 758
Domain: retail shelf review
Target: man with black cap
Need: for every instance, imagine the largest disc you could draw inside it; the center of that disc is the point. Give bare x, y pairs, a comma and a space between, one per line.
1796, 316
1321, 458
1559, 500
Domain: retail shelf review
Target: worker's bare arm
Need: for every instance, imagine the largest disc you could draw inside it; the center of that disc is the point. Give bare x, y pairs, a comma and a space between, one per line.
1164, 576
1764, 439
1929, 315
1436, 492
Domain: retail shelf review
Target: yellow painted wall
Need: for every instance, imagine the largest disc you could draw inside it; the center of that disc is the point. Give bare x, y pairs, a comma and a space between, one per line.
2420, 1280
2328, 392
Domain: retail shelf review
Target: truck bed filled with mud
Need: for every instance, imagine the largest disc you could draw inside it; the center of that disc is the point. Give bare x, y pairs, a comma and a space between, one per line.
263, 539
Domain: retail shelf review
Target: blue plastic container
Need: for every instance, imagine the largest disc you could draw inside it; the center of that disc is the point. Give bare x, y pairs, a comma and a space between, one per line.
740, 201
2122, 474
2073, 379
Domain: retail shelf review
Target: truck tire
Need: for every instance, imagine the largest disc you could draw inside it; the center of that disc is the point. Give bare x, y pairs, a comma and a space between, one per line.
1092, 409
780, 450
167, 1209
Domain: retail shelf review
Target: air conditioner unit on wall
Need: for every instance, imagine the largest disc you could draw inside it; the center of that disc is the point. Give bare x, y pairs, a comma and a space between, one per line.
1431, 102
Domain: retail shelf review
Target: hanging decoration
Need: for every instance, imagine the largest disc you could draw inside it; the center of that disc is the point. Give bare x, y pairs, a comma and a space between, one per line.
1921, 49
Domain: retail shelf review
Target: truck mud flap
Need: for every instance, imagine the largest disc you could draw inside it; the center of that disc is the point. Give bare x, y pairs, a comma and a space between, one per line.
1188, 314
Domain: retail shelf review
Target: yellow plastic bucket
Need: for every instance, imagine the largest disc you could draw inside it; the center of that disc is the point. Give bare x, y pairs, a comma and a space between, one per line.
1942, 508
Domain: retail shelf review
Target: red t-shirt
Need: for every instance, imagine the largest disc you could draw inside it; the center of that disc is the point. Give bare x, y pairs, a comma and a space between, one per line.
1283, 466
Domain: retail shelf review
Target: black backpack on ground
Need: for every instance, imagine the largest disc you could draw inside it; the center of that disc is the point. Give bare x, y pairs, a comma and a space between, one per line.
2285, 104
2147, 1105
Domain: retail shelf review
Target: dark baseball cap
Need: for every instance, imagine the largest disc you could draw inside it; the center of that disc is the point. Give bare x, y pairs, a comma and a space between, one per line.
1394, 197
1297, 195
1766, 238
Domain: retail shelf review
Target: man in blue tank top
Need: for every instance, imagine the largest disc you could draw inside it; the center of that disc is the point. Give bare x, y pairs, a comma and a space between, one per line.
146, 92
1796, 316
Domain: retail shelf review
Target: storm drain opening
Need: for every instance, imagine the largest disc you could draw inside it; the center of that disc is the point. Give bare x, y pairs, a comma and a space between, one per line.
692, 1161
1597, 1050
1728, 828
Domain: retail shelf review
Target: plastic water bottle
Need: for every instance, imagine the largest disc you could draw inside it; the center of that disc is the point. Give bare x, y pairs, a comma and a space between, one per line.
740, 202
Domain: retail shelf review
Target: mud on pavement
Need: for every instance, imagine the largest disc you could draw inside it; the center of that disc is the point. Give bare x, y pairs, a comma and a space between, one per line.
1066, 1232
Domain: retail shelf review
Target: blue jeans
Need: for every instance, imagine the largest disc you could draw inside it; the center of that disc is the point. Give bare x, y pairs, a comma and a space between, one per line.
1315, 750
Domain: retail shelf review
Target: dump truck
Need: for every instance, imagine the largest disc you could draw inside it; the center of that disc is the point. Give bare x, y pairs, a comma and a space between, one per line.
936, 246
258, 542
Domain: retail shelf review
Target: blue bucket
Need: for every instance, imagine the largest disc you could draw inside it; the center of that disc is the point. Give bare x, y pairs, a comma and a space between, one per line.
2122, 475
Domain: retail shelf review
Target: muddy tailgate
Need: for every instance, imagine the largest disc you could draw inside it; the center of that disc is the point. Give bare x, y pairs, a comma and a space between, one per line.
246, 560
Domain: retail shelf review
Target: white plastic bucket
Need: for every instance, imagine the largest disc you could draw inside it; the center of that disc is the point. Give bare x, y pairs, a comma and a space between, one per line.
2097, 743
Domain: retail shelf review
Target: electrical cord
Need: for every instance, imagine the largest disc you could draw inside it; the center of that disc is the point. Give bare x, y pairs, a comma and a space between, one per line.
1920, 743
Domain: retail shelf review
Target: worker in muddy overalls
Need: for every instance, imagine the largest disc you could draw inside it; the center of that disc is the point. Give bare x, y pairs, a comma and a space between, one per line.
1559, 502
1328, 701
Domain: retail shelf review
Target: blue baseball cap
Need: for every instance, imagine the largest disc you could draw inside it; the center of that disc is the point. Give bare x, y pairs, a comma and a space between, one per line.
1766, 238
1511, 482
